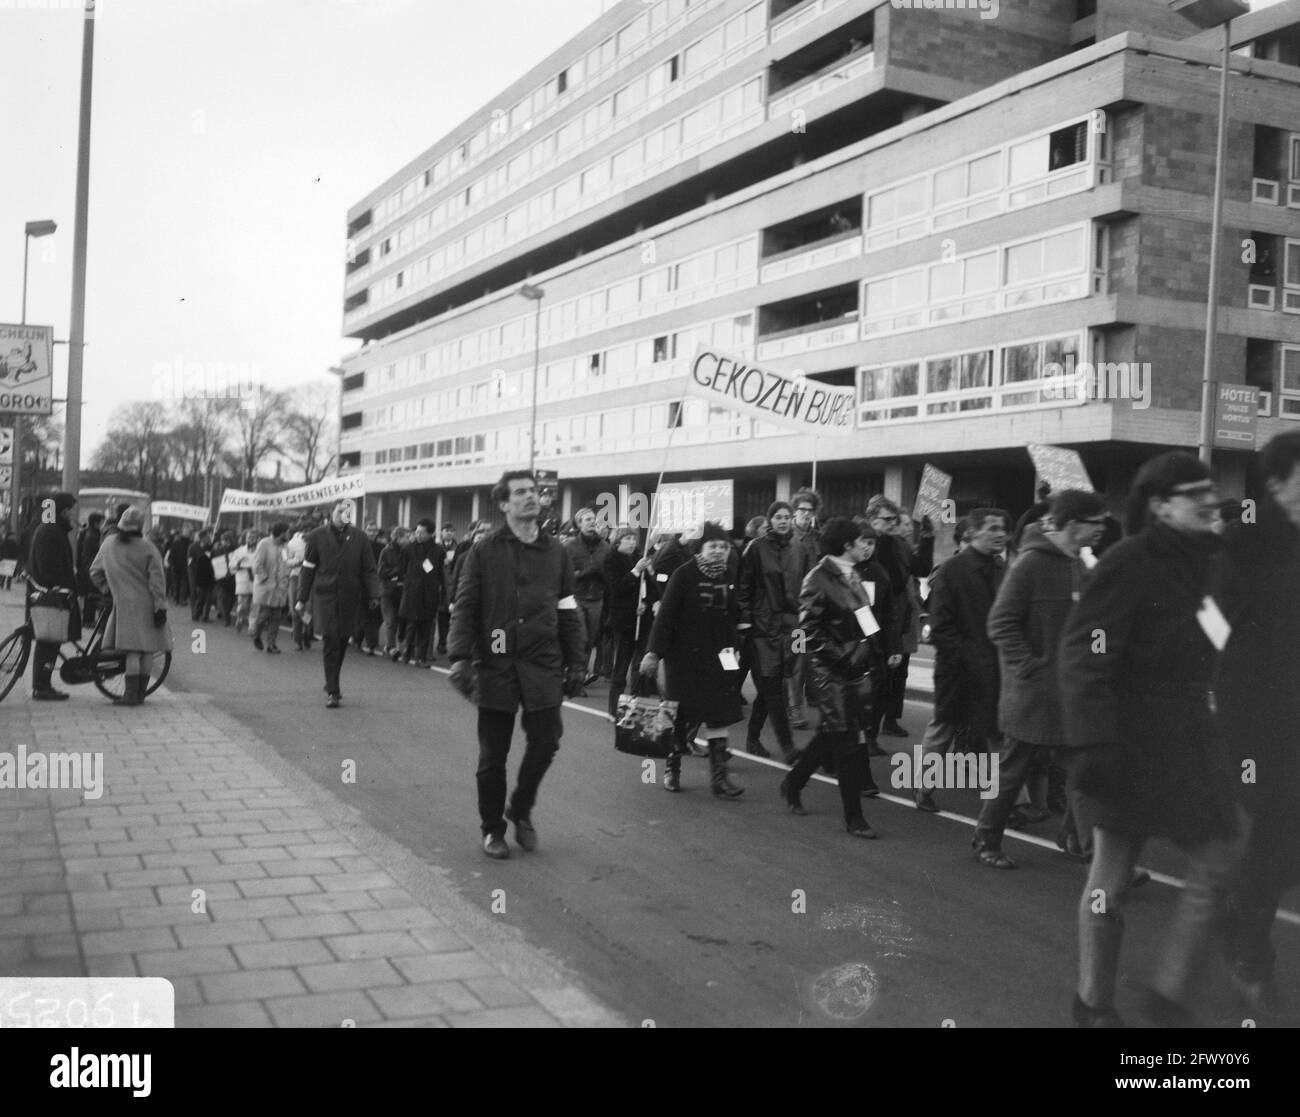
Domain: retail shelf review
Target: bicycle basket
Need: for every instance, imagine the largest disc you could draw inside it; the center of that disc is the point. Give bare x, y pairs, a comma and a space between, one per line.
51, 612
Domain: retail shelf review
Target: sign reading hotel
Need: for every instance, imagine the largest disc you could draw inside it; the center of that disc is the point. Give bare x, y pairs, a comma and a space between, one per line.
352, 485
1236, 415
1060, 467
933, 491
685, 505
26, 369
794, 402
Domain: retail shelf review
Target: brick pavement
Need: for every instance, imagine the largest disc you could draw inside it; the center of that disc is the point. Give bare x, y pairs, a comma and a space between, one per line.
209, 861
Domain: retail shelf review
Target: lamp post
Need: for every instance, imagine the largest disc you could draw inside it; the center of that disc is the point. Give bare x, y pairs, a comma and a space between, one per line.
30, 230
1210, 13
534, 294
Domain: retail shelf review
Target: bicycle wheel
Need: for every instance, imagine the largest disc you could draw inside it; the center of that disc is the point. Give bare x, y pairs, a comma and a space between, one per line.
110, 672
13, 658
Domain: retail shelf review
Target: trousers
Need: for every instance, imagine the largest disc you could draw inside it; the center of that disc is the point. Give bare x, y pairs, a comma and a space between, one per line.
542, 732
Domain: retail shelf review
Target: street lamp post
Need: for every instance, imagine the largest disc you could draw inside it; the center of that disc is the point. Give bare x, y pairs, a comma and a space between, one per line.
1210, 13
534, 294
30, 230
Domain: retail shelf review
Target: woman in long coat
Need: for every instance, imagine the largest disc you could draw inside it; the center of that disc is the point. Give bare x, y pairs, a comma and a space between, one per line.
841, 661
270, 587
1257, 696
695, 636
130, 568
1135, 668
421, 573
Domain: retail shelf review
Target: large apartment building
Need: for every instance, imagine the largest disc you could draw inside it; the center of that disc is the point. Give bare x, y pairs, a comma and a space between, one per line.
942, 206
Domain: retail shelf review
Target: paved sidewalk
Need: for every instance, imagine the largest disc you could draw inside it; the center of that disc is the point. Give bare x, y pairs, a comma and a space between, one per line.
208, 861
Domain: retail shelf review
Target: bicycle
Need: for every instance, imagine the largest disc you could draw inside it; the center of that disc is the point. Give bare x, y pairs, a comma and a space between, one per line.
92, 664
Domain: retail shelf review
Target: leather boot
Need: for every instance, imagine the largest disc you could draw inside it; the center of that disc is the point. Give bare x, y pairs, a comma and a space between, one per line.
144, 686
673, 772
131, 688
719, 783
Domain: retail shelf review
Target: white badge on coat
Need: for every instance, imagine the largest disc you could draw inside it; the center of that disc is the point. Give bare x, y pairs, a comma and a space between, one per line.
870, 587
1214, 623
866, 620
727, 657
428, 566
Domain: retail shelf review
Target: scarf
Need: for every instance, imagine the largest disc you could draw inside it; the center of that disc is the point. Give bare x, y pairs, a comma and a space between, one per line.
713, 569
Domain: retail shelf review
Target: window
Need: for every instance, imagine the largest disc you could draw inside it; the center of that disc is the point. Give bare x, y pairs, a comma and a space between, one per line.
628, 161
1288, 383
661, 349
701, 122
1028, 160
629, 97
656, 283
898, 203
1067, 146
562, 82
569, 135
634, 33
700, 54
595, 178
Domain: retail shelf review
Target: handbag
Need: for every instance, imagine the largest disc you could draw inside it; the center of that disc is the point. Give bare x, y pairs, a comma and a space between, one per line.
644, 723
51, 613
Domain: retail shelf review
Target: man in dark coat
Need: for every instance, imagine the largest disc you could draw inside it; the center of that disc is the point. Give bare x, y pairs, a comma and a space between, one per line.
421, 574
771, 574
448, 541
516, 640
202, 577
88, 541
51, 567
1257, 693
1026, 622
588, 553
965, 660
340, 566
177, 557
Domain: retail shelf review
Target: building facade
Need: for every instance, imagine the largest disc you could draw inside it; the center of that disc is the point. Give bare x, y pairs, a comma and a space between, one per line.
992, 221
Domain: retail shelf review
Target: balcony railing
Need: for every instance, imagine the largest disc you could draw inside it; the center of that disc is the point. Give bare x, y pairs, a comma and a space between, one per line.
801, 17
819, 84
845, 247
806, 339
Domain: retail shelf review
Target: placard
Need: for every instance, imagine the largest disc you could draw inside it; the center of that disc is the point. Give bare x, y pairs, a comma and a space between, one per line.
685, 505
1060, 467
933, 491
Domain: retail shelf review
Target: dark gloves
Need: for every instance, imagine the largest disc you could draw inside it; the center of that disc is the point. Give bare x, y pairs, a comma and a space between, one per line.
159, 618
574, 677
463, 679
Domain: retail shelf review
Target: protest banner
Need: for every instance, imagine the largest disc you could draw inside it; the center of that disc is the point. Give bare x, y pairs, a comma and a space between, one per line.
788, 400
323, 492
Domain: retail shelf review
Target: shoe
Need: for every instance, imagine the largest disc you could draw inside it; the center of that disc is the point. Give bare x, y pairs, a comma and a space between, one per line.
130, 691
925, 802
332, 702
395, 655
273, 650
1021, 817
795, 716
893, 729
50, 695
673, 774
1164, 1012
695, 749
719, 782
993, 858
525, 832
257, 643
791, 798
1139, 878
755, 747
590, 679
442, 649
1085, 1016
297, 646
860, 828
870, 792
494, 845
1069, 846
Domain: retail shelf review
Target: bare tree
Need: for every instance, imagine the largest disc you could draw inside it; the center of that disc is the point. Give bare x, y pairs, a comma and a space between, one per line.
200, 438
136, 443
259, 429
311, 430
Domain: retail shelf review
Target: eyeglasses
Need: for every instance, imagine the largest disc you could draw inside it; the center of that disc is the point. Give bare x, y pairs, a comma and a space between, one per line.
888, 519
1201, 490
1100, 521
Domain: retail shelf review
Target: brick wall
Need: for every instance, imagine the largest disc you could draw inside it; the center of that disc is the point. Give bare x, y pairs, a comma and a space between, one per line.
1176, 357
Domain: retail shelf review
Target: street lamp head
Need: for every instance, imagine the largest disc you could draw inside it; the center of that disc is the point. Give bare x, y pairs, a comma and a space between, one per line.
529, 291
1209, 13
40, 228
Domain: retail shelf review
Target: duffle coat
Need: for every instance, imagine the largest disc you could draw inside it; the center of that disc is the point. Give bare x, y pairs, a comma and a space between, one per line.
131, 569
1135, 670
517, 619
771, 574
421, 588
965, 662
270, 575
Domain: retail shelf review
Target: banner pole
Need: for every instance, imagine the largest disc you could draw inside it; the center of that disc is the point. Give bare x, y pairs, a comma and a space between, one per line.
663, 467
814, 470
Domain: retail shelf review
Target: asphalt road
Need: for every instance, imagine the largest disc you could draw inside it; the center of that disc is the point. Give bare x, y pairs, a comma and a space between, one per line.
683, 909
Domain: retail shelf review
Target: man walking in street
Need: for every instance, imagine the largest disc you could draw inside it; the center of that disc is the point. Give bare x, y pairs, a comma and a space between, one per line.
516, 640
965, 660
771, 574
339, 565
588, 553
203, 579
1026, 623
448, 541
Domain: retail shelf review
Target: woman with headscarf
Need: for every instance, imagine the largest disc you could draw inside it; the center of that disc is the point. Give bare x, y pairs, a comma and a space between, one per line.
130, 568
1145, 760
695, 636
270, 587
51, 567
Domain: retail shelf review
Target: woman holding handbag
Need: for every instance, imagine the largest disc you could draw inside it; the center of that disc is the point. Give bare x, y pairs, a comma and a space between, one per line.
836, 620
695, 636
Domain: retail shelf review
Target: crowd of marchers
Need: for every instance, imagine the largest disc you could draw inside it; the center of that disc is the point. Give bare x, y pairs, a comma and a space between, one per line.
1141, 680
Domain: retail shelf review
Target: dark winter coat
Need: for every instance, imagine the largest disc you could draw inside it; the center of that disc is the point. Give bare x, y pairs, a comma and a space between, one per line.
588, 555
1026, 623
516, 617
339, 567
884, 607
1258, 687
131, 569
87, 548
200, 565
421, 589
841, 657
51, 567
771, 576
965, 660
1135, 670
624, 591
390, 567
696, 620
905, 564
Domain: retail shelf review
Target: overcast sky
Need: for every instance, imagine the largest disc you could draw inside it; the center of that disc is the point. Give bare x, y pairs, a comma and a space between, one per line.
229, 139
